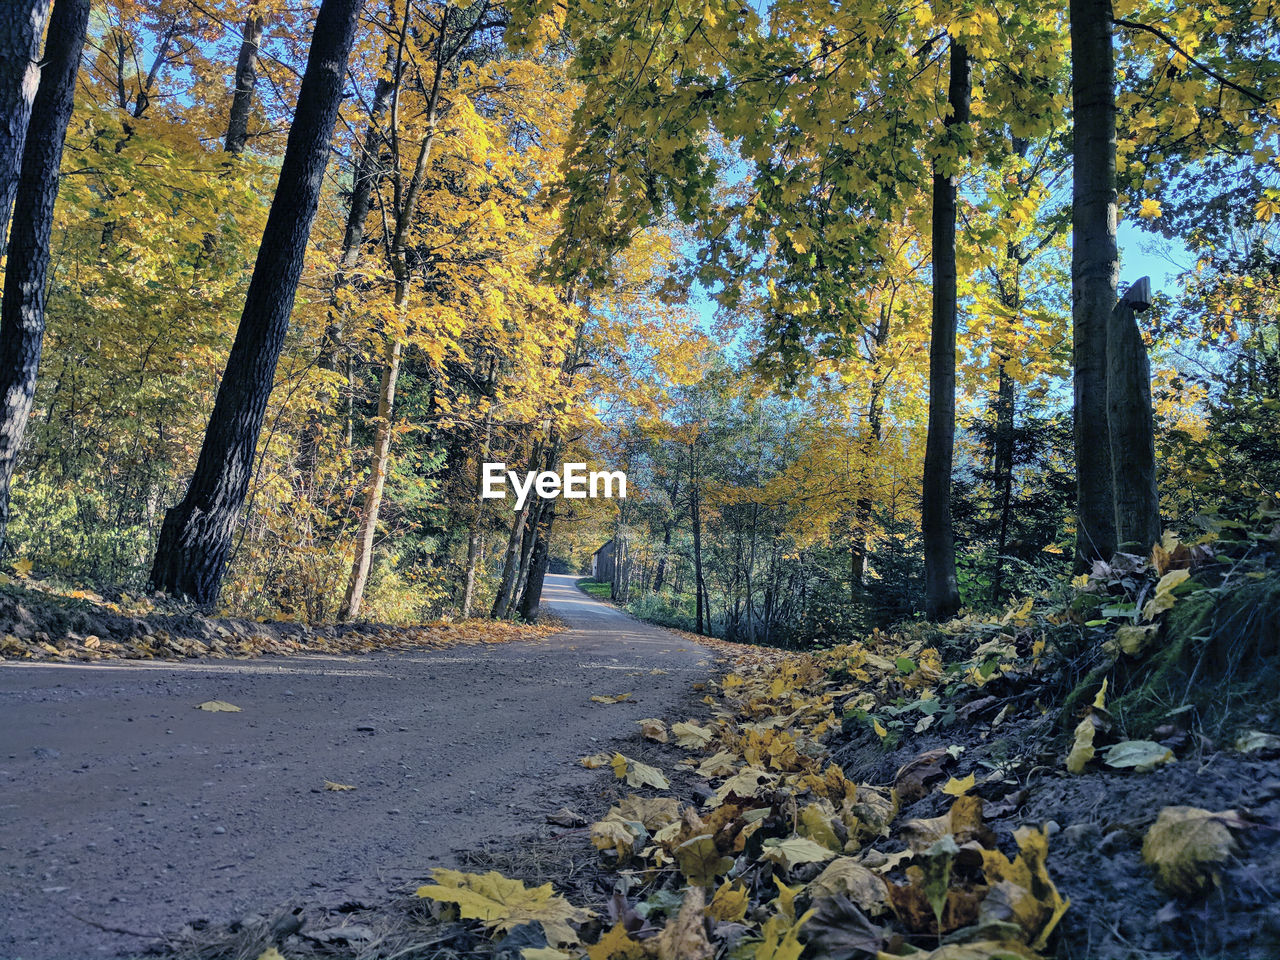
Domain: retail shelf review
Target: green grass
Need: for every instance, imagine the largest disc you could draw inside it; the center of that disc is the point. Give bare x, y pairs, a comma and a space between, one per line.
596, 588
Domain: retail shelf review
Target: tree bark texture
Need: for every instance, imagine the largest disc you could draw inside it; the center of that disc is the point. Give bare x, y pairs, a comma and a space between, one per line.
21, 27
1132, 433
381, 459
531, 598
196, 536
1095, 270
27, 267
246, 79
942, 594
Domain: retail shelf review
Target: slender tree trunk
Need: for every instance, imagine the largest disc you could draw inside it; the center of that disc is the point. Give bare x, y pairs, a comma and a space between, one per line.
474, 536
27, 267
699, 585
1002, 470
368, 528
246, 79
1133, 448
195, 538
20, 31
1095, 270
660, 575
398, 255
942, 595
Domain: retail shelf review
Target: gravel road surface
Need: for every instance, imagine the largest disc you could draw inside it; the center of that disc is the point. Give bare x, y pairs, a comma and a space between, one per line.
121, 803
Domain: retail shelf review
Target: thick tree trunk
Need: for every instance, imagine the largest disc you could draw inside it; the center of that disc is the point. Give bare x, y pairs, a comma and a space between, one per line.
531, 598
195, 538
246, 80
502, 602
1132, 433
20, 30
1095, 270
377, 483
26, 271
942, 595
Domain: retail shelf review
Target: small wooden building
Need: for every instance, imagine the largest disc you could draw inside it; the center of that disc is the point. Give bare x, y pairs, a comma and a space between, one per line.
602, 563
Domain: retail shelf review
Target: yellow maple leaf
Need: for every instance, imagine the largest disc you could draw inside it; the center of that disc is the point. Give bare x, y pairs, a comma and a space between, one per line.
498, 902
23, 567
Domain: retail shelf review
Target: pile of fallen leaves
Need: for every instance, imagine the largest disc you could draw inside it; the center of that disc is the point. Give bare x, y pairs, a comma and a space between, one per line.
44, 625
764, 849
780, 850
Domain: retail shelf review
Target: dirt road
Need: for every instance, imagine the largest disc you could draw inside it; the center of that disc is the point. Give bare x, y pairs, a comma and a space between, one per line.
121, 803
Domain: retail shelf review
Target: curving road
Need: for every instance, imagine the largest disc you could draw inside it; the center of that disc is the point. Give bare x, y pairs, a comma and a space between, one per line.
122, 804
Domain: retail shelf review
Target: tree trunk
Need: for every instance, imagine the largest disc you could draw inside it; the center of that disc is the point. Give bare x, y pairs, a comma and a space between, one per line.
195, 538
1095, 270
398, 255
26, 271
1133, 447
502, 603
377, 483
699, 585
245, 80
1002, 471
531, 599
20, 32
942, 595
474, 537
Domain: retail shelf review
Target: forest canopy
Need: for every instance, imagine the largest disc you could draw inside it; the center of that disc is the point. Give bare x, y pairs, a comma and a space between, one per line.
838, 286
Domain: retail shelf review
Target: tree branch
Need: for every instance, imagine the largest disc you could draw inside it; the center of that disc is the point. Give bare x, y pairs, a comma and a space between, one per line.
1173, 43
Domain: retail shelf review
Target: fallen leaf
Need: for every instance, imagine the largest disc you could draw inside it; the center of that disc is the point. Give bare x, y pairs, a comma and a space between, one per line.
838, 929
958, 788
616, 698
638, 774
691, 736
1021, 890
596, 760
653, 729
1164, 598
700, 861
1133, 639
794, 850
564, 817
1082, 747
1255, 741
499, 903
685, 936
331, 785
616, 944
847, 878
271, 953
1186, 846
1142, 755
730, 903
544, 953
218, 706
23, 567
